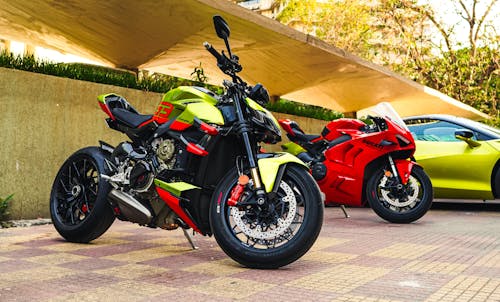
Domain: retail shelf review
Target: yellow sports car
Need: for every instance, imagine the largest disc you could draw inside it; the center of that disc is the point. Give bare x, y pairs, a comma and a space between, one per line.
460, 156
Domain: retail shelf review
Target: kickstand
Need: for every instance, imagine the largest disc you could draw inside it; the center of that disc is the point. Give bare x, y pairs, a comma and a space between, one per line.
189, 238
345, 211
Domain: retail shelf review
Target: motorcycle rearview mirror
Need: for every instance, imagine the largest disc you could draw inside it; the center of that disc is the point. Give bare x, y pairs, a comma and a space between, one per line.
223, 31
221, 27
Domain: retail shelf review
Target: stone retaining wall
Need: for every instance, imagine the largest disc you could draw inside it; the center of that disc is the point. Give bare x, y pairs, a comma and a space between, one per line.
44, 119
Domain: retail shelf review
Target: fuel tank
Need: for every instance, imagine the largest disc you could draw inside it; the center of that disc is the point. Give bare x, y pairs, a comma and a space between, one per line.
184, 103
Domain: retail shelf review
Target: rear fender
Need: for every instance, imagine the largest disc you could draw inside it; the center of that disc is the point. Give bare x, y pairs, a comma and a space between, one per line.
269, 165
106, 147
404, 167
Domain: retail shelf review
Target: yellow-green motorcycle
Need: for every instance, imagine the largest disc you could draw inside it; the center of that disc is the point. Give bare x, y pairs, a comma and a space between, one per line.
195, 164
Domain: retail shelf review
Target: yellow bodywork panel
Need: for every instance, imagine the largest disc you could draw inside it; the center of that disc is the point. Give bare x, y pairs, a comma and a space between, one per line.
458, 170
204, 111
175, 188
293, 148
269, 167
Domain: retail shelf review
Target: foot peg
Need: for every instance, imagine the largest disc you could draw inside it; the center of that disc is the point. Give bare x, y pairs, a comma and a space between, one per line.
189, 237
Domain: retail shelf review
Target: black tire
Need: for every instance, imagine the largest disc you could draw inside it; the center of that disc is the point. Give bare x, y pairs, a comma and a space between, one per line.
289, 243
79, 205
495, 182
417, 195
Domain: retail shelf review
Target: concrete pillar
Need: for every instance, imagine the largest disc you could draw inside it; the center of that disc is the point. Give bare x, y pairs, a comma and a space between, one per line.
351, 114
6, 45
274, 98
29, 50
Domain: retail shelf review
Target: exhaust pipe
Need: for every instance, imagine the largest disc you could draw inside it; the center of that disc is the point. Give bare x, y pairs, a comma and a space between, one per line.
130, 207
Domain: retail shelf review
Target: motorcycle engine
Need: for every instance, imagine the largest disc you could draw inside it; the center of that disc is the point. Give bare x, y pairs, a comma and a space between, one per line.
172, 157
141, 176
134, 171
318, 171
165, 151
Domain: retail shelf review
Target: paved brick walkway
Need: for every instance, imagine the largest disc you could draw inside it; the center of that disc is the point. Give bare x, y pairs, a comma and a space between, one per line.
446, 256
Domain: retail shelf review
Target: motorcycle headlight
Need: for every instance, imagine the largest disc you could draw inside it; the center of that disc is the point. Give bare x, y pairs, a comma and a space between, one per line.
270, 130
259, 94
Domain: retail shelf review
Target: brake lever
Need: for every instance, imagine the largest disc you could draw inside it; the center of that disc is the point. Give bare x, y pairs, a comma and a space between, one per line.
227, 65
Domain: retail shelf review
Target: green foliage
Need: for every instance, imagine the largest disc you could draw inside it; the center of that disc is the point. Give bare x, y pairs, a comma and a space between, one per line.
473, 80
4, 206
462, 64
98, 74
148, 82
162, 83
91, 73
198, 75
416, 39
299, 109
344, 24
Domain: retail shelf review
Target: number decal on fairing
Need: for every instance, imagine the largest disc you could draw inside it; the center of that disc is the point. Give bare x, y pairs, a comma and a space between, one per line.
163, 111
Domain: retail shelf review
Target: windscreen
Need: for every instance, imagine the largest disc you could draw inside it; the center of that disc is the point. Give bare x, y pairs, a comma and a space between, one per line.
385, 109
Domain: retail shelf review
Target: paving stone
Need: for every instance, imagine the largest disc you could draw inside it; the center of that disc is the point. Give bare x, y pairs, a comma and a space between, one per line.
445, 256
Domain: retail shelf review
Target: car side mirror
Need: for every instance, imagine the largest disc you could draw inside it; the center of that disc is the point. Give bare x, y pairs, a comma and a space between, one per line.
466, 136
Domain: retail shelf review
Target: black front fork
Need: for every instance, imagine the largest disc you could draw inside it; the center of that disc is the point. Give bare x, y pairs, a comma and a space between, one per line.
243, 130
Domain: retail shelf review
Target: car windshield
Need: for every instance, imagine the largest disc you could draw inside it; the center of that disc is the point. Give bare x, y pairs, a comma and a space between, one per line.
483, 126
482, 132
385, 110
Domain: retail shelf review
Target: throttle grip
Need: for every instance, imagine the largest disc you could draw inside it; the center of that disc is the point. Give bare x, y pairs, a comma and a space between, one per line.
212, 50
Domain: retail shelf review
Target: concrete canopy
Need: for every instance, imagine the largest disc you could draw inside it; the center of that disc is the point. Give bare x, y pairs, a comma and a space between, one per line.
167, 35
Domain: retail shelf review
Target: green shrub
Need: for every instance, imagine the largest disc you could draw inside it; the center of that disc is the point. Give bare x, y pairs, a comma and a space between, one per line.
100, 74
155, 82
299, 109
4, 206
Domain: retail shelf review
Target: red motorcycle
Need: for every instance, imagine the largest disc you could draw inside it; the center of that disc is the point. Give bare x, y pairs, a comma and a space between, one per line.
356, 162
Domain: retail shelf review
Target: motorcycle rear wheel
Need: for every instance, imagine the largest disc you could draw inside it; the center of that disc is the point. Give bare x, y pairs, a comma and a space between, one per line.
268, 239
79, 206
404, 206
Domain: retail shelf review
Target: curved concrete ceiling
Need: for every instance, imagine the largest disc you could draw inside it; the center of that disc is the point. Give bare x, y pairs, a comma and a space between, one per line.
167, 36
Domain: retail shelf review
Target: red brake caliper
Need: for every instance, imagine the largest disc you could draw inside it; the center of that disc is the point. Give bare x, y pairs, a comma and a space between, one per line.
238, 190
85, 209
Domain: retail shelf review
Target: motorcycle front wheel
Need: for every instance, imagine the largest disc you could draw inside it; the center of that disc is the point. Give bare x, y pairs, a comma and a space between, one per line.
79, 205
271, 235
396, 202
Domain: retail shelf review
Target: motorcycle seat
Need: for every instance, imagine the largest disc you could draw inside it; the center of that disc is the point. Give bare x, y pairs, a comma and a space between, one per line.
311, 137
303, 137
129, 118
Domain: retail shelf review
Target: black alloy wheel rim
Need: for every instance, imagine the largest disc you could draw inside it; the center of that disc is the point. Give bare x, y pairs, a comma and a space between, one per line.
265, 219
400, 192
77, 186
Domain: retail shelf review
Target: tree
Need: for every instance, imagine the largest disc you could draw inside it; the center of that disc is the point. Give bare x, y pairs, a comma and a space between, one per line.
417, 40
460, 59
344, 24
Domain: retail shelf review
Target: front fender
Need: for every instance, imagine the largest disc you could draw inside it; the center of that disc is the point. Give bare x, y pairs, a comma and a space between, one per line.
404, 168
269, 164
293, 148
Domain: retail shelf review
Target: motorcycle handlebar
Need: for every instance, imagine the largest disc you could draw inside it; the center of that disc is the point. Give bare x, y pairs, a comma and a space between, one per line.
212, 50
229, 66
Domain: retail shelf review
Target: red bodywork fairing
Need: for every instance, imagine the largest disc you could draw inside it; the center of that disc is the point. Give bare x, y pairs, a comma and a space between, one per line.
349, 162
